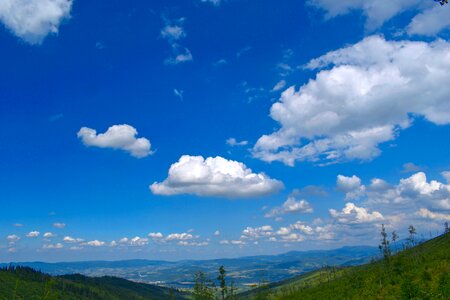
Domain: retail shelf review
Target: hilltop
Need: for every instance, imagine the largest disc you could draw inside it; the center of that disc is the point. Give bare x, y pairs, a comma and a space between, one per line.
26, 283
421, 272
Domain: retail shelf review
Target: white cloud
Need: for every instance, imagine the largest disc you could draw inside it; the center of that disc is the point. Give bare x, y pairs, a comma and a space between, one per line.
138, 241
155, 235
18, 225
426, 213
291, 205
179, 237
53, 246
215, 177
181, 55
376, 11
213, 2
13, 238
33, 234
233, 142
351, 186
217, 233
59, 225
173, 32
94, 243
195, 244
279, 86
430, 19
258, 232
49, 235
372, 91
69, 239
352, 214
33, 20
117, 137
430, 22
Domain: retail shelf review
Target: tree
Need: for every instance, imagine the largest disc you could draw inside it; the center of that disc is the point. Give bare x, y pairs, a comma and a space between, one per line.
203, 288
412, 232
441, 2
446, 227
223, 284
384, 246
394, 239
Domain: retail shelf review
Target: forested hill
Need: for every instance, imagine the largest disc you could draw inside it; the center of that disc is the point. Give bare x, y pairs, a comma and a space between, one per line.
26, 283
420, 272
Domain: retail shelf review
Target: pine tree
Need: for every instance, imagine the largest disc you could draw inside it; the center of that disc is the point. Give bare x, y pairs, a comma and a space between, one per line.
203, 288
384, 246
223, 284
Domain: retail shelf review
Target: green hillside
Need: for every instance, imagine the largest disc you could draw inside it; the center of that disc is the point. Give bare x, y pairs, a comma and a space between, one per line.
25, 283
421, 272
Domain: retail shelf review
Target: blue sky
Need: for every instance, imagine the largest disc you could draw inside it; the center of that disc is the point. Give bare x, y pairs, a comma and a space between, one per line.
202, 129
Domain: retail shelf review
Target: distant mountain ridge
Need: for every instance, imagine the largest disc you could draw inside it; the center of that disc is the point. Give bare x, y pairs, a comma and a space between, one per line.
245, 270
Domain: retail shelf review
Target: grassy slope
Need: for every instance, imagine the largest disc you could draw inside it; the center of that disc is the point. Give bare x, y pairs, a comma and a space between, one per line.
422, 272
25, 283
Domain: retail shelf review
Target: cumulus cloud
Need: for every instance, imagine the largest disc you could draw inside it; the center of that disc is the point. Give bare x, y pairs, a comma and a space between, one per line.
49, 235
94, 243
121, 137
33, 234
215, 177
155, 235
352, 214
233, 142
351, 186
371, 92
69, 239
179, 237
33, 20
138, 241
255, 233
291, 205
12, 239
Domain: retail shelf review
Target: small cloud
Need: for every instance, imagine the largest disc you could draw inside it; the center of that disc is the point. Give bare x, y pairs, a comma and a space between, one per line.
220, 62
121, 137
59, 225
12, 238
217, 233
69, 239
53, 246
33, 234
233, 142
17, 225
291, 205
279, 86
49, 235
411, 168
155, 235
213, 2
178, 93
94, 243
